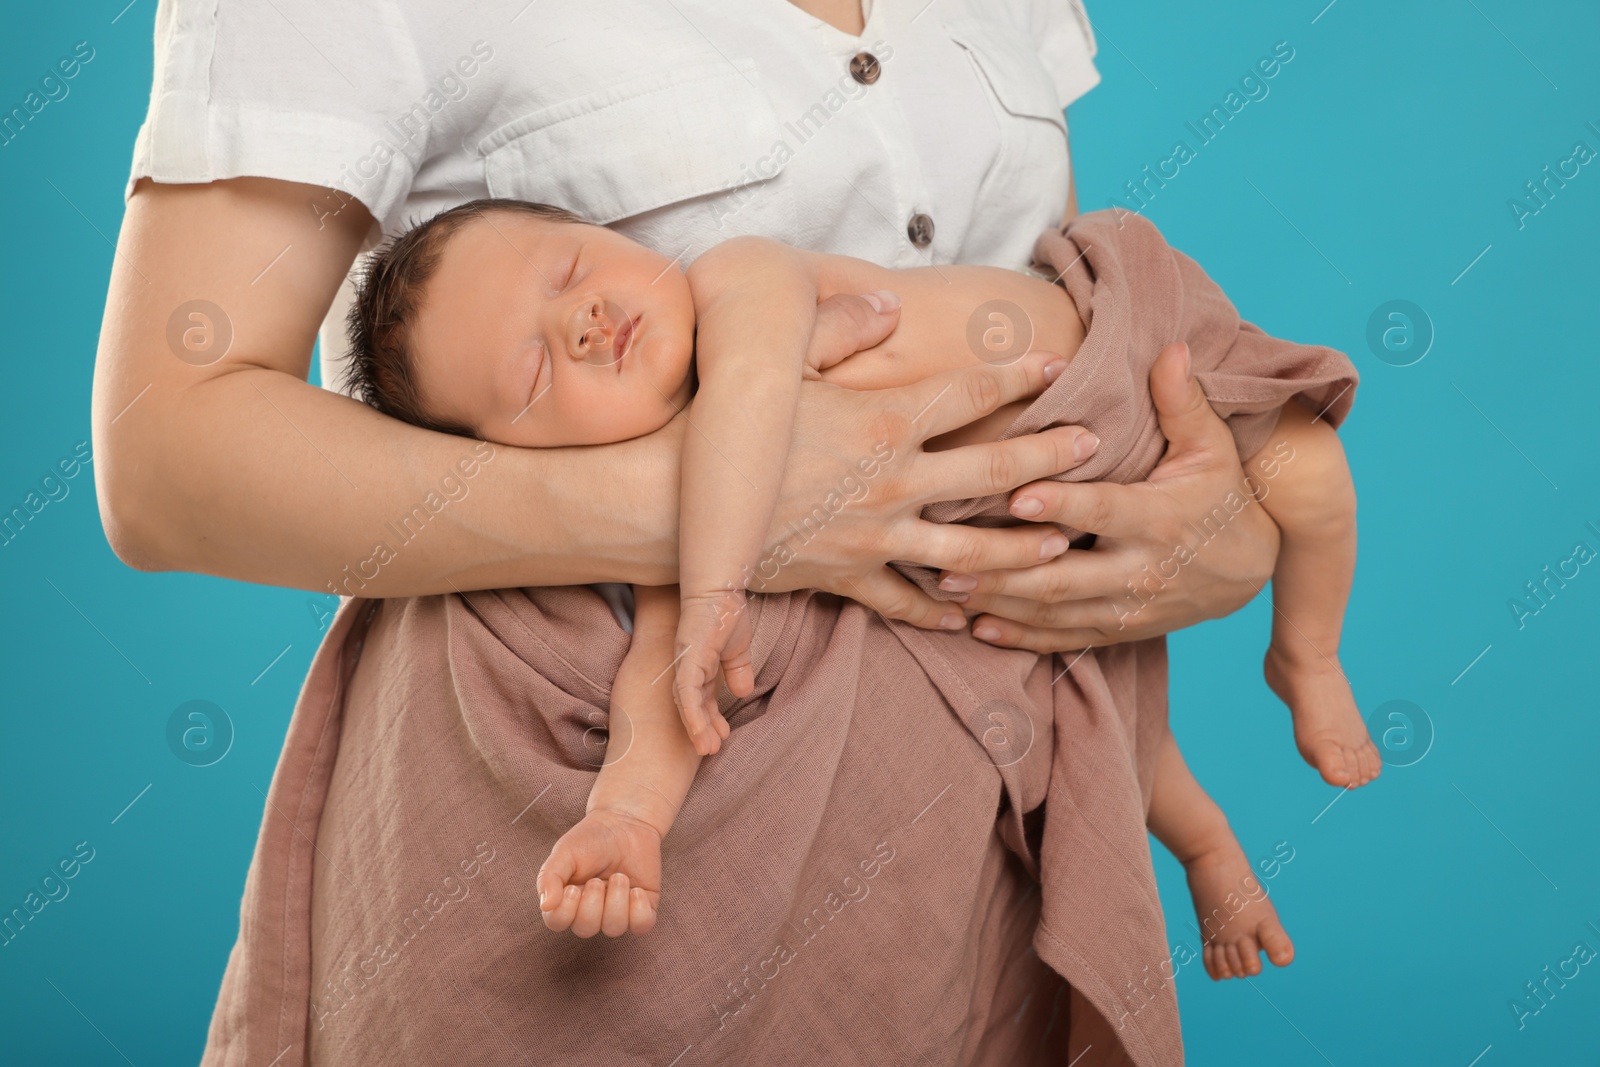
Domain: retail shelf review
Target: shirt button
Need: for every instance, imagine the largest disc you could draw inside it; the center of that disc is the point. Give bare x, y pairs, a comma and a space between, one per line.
920, 229
864, 68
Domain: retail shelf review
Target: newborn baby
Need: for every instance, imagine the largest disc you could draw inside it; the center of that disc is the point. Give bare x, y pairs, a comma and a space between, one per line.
521, 324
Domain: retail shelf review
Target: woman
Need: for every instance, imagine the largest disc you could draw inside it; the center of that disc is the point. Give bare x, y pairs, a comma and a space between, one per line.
279, 138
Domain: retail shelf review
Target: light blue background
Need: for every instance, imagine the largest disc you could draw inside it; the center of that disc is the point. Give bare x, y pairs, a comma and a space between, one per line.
1378, 168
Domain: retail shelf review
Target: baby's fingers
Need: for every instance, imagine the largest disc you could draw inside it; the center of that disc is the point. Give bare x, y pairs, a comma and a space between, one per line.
591, 909
566, 910
737, 670
554, 874
641, 915
740, 675
614, 917
687, 685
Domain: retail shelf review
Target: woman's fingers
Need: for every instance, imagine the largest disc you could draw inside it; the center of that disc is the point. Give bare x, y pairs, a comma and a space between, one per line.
1103, 508
963, 549
949, 401
893, 597
1079, 574
1000, 466
1188, 421
1101, 615
1196, 438
1005, 633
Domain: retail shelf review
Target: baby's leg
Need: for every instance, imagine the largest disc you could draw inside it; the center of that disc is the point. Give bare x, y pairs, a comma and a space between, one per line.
1306, 488
1237, 921
604, 874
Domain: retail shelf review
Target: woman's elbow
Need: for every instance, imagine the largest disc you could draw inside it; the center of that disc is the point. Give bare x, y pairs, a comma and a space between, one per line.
126, 529
129, 515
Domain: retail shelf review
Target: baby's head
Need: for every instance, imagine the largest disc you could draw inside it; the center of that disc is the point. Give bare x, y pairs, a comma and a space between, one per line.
524, 325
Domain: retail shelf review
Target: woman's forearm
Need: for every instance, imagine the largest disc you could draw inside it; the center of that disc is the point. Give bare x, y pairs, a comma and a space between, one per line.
260, 477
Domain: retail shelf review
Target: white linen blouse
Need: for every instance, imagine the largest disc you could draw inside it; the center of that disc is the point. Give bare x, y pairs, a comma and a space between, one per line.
936, 136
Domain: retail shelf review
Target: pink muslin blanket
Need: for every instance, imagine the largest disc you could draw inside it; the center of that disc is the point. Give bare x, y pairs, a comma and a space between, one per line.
914, 848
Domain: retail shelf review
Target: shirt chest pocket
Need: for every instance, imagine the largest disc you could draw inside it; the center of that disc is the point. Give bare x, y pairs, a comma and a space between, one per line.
1010, 67
647, 143
1026, 183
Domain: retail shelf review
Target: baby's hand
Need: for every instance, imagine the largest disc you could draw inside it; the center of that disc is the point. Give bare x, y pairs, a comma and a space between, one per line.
713, 631
603, 876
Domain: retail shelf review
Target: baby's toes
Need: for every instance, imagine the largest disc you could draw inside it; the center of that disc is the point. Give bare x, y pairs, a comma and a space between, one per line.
1335, 764
1235, 961
1249, 955
1280, 950
1357, 758
1372, 760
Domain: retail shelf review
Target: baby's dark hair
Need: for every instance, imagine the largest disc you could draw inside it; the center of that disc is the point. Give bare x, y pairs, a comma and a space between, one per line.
389, 291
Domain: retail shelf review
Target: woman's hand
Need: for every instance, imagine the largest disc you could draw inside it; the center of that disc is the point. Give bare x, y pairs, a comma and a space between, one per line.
857, 478
1087, 598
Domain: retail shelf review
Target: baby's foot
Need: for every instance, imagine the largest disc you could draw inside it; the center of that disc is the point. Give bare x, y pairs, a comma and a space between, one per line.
1237, 921
1327, 724
603, 876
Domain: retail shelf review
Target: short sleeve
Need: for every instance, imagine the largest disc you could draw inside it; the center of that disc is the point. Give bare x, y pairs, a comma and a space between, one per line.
1066, 46
282, 90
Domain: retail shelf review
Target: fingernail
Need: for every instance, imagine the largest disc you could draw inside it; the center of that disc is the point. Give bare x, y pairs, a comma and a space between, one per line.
986, 631
1052, 546
953, 621
1085, 445
1026, 507
884, 300
542, 901
1188, 363
1053, 369
959, 583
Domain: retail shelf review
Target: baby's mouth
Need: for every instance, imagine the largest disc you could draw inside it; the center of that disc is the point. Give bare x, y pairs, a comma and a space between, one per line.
624, 340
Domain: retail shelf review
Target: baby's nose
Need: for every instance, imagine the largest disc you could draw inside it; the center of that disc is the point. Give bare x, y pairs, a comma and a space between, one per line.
594, 329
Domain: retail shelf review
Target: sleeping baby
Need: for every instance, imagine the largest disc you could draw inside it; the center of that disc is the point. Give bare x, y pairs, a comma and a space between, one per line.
522, 324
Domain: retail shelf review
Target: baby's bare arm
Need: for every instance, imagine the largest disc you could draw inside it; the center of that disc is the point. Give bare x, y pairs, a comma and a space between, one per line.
650, 763
755, 306
604, 874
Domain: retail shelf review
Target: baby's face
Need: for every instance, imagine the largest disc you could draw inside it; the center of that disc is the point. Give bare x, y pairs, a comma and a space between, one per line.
542, 333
